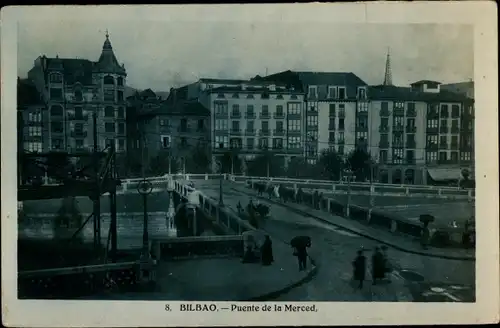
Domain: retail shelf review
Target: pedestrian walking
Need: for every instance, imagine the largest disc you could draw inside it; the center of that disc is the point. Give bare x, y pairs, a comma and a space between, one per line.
359, 268
387, 263
300, 245
267, 252
377, 265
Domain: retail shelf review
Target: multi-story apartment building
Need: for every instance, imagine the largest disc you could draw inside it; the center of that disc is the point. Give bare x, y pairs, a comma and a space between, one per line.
74, 89
249, 117
175, 127
336, 109
32, 118
417, 133
465, 88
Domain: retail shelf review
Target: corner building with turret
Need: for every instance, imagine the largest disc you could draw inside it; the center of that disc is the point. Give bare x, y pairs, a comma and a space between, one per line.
71, 91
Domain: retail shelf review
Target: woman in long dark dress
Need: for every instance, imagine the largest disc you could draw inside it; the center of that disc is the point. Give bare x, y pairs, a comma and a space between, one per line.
267, 252
359, 266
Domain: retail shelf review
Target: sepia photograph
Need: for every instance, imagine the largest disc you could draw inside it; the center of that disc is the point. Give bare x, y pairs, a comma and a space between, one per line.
246, 165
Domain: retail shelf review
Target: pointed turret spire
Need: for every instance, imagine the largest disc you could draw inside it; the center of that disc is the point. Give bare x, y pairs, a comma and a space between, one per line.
388, 71
107, 61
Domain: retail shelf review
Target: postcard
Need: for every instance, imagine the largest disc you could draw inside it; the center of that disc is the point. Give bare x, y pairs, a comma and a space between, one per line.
255, 165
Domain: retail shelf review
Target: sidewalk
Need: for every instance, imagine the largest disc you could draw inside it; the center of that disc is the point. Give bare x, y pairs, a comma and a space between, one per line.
399, 242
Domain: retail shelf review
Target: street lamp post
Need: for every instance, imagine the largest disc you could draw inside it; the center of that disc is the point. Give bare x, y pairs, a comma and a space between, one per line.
221, 200
145, 188
348, 173
171, 208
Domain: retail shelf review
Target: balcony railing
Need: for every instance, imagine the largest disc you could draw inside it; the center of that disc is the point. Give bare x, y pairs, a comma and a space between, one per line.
250, 115
236, 131
361, 128
279, 116
265, 132
236, 114
384, 113
411, 129
341, 142
250, 132
433, 114
445, 113
398, 145
411, 113
431, 146
411, 144
312, 127
279, 132
443, 129
331, 141
363, 113
398, 112
265, 115
432, 130
79, 134
221, 114
397, 128
73, 117
295, 116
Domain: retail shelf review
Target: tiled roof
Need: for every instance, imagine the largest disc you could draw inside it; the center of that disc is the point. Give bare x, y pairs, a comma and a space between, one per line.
107, 61
188, 108
27, 94
300, 80
389, 92
74, 70
425, 82
250, 89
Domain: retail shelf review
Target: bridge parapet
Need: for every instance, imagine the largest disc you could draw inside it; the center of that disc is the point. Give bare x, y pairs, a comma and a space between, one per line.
230, 222
77, 282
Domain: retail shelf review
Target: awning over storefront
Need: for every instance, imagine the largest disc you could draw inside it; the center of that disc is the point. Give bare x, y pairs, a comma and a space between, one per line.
448, 174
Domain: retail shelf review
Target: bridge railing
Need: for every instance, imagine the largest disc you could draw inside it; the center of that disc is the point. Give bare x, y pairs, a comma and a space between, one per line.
77, 282
229, 221
367, 189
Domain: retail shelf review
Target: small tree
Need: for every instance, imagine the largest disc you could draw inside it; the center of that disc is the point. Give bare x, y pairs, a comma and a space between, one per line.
361, 163
260, 165
199, 161
230, 159
330, 164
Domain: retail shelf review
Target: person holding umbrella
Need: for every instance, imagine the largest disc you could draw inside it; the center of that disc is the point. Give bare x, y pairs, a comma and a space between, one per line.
300, 245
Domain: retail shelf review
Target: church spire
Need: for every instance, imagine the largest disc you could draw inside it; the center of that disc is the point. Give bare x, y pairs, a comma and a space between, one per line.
388, 71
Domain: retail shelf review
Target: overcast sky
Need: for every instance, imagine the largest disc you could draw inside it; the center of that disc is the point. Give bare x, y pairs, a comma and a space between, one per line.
158, 55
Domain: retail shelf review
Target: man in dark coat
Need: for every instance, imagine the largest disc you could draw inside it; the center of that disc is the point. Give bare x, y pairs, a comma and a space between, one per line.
300, 244
359, 266
377, 265
315, 199
267, 252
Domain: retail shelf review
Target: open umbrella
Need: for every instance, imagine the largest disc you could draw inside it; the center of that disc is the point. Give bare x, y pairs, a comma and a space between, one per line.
301, 241
426, 218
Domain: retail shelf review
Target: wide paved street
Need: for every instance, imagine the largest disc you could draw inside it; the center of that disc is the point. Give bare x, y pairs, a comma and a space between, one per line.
334, 249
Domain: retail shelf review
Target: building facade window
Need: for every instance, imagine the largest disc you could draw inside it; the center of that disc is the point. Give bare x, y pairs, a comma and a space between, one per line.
220, 109
109, 111
109, 80
293, 108
312, 92
121, 128
444, 111
294, 143
432, 140
78, 95
109, 95
431, 156
443, 156
278, 143
221, 142
121, 144
279, 110
55, 78
362, 93
33, 147
120, 112
35, 131
342, 93
432, 124
35, 117
165, 141
119, 81
397, 156
57, 127
331, 110
294, 125
383, 156
221, 125
109, 127
332, 92
250, 143
263, 143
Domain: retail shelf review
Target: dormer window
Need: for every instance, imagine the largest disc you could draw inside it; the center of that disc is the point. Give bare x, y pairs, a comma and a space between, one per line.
55, 78
361, 93
312, 92
332, 92
342, 93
